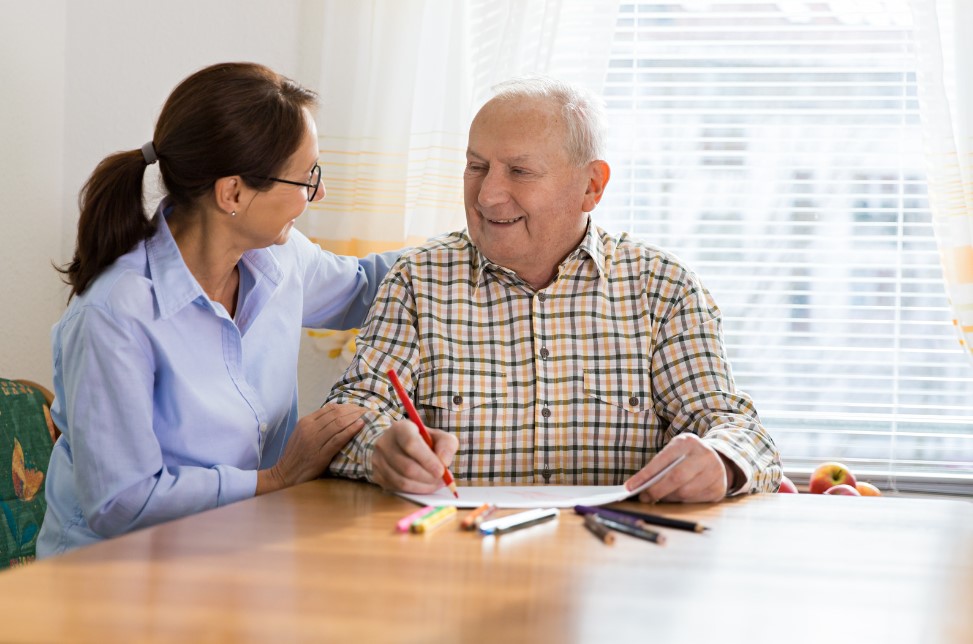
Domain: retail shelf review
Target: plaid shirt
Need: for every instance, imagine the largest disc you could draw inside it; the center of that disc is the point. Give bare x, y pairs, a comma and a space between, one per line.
579, 383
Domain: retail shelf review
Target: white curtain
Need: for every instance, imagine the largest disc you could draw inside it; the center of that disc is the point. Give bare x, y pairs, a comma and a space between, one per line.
400, 81
945, 75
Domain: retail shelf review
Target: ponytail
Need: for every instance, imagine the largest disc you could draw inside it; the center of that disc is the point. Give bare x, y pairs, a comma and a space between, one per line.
113, 218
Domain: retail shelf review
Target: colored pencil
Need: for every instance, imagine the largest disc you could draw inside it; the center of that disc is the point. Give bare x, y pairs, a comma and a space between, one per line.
658, 520
410, 410
640, 519
598, 529
640, 533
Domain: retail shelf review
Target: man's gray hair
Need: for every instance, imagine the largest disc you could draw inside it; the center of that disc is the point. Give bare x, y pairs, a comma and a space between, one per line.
583, 110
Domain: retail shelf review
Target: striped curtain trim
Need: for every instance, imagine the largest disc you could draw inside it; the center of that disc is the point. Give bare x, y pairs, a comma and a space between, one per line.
362, 247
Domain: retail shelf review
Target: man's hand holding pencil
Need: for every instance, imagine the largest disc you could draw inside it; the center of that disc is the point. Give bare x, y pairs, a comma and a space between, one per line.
409, 457
403, 462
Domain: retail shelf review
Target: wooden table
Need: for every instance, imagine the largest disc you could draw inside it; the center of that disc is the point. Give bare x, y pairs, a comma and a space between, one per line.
321, 562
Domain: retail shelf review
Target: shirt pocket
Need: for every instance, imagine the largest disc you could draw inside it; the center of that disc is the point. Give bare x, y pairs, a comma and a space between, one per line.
623, 386
455, 393
471, 405
615, 424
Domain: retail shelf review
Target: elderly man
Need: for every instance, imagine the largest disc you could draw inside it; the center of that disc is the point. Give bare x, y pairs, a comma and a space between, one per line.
543, 349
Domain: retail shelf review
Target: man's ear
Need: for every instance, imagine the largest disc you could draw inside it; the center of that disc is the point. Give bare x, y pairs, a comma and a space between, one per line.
598, 175
228, 194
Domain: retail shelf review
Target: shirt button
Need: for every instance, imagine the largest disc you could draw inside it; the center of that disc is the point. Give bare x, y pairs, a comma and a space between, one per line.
546, 413
545, 353
542, 297
263, 428
457, 400
546, 473
633, 401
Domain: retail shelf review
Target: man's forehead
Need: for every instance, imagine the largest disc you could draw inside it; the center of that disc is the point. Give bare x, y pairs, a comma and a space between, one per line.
516, 130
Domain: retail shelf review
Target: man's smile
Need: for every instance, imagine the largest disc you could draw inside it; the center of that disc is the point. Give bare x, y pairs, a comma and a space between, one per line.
503, 221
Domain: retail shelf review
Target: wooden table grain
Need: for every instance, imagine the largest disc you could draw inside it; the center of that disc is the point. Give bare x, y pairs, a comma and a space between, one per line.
322, 563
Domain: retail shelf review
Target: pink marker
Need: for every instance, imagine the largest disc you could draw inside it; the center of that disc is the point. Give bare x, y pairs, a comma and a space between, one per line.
406, 522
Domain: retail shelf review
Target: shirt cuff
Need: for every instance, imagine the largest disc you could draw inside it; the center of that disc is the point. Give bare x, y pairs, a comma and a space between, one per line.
372, 431
742, 485
235, 484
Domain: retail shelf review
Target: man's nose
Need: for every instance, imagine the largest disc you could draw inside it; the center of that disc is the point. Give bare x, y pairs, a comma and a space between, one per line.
493, 189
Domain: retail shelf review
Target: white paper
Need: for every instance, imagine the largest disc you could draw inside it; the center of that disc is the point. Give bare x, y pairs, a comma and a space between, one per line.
524, 496
536, 496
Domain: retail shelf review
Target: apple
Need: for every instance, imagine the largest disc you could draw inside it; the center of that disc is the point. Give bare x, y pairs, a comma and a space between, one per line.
827, 475
787, 486
842, 490
867, 489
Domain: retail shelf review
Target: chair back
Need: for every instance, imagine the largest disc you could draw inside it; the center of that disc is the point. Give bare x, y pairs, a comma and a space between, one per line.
27, 437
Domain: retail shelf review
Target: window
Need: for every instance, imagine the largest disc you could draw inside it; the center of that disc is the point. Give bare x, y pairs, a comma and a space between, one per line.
775, 147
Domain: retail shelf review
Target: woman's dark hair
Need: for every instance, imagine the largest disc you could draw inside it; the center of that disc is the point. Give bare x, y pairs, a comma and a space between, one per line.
228, 119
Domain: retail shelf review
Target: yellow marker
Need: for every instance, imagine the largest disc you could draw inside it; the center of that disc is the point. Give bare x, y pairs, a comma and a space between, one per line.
428, 515
432, 521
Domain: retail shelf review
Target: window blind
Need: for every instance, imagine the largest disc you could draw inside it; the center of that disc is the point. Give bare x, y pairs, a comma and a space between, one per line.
775, 147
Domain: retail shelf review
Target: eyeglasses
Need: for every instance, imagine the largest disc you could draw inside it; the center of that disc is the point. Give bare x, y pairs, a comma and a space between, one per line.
312, 186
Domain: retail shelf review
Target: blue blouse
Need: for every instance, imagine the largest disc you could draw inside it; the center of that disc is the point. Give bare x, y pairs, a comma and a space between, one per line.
168, 406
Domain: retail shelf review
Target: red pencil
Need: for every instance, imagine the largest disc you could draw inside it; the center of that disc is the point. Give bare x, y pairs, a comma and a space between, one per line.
414, 417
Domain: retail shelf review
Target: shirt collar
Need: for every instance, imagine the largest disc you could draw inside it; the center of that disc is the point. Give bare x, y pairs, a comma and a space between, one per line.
262, 262
173, 283
480, 263
596, 245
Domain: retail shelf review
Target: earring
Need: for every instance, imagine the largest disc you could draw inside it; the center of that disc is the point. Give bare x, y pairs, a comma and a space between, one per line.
233, 214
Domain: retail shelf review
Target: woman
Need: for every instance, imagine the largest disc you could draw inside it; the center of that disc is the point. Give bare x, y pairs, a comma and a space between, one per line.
175, 364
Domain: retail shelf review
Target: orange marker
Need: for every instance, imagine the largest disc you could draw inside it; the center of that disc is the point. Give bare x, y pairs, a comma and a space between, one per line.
410, 410
473, 519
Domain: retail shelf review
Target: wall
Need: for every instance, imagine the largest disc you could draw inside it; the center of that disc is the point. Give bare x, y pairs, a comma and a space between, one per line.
82, 80
32, 108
